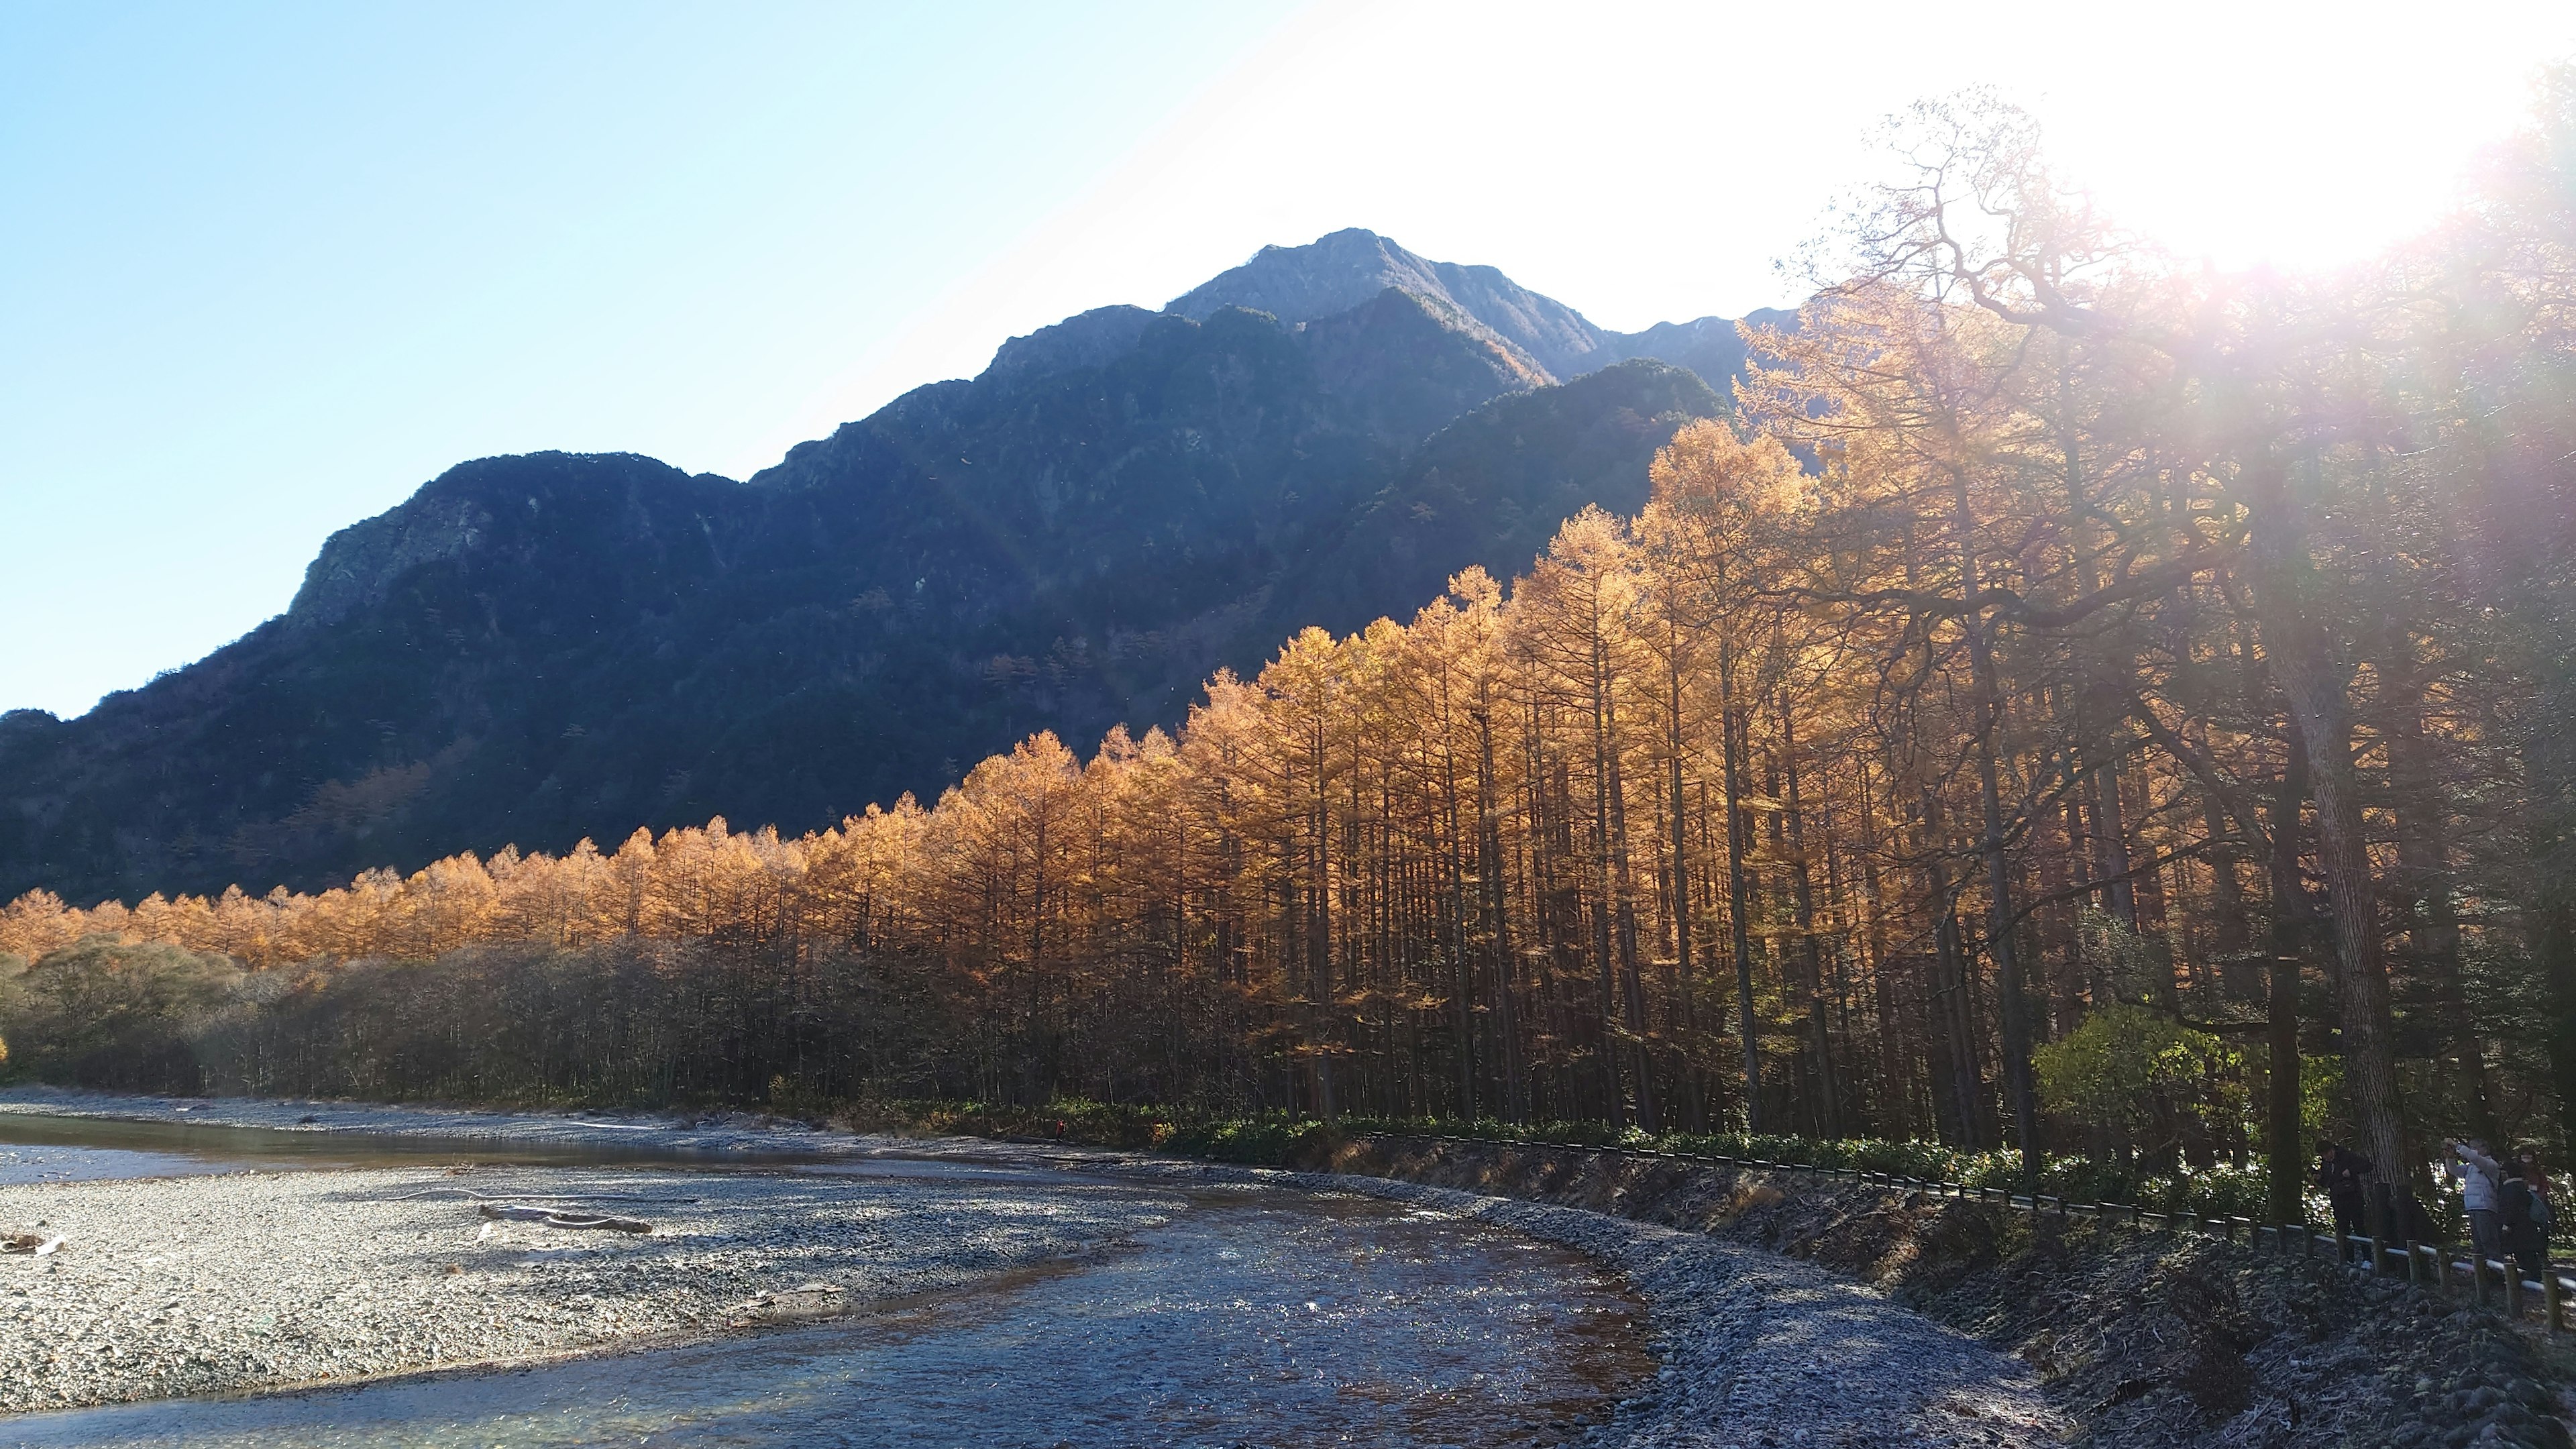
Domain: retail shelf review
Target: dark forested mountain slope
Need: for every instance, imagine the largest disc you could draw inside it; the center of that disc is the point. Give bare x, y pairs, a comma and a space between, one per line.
534, 649
1492, 489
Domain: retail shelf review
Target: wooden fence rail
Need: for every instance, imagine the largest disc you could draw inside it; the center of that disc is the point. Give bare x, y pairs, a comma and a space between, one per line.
2490, 1282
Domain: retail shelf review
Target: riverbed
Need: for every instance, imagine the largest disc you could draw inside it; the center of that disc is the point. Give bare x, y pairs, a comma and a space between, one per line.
878, 1298
807, 1286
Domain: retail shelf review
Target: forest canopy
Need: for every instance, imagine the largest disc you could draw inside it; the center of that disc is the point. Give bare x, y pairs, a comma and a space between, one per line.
2080, 701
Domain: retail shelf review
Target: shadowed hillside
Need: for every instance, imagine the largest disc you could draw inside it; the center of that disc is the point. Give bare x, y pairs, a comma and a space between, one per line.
534, 649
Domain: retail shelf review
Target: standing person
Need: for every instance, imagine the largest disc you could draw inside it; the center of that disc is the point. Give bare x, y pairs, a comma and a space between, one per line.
2342, 1172
2531, 1246
2479, 1177
2513, 1212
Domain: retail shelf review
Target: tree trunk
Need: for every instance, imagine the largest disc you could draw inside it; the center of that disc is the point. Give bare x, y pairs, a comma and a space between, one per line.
2286, 1159
2014, 1004
1489, 869
1819, 1038
2424, 876
1604, 905
2302, 664
1739, 891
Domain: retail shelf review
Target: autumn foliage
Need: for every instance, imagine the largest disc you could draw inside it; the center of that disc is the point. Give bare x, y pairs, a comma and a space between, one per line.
2052, 631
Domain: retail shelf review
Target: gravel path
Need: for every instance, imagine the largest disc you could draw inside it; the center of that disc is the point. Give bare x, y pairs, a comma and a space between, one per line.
213, 1284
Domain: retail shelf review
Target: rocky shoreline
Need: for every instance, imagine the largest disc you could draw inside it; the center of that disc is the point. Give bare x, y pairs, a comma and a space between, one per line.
2143, 1339
1759, 1349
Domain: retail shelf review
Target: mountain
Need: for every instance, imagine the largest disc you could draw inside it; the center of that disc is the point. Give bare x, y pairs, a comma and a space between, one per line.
1338, 272
535, 649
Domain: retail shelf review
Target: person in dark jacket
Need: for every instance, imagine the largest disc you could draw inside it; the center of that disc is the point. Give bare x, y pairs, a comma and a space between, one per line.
2522, 1201
2342, 1172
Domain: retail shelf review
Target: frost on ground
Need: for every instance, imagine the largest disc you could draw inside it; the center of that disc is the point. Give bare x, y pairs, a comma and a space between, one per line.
212, 1284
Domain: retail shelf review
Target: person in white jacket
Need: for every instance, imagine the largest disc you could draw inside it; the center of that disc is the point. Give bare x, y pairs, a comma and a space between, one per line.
2478, 1174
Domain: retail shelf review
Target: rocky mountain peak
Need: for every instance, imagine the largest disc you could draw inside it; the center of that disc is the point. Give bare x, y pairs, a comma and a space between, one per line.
1345, 269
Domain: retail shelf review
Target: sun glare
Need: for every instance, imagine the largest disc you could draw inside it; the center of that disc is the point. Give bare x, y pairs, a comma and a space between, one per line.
2293, 136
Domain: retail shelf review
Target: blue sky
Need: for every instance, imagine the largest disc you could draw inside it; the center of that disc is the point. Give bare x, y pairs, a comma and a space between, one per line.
264, 269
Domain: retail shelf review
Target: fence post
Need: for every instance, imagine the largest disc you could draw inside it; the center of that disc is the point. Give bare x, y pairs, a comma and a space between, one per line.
2414, 1265
2478, 1275
2377, 1269
2512, 1289
2441, 1269
2553, 1299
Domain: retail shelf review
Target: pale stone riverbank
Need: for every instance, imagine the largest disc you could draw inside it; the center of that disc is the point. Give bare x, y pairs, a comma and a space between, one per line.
212, 1284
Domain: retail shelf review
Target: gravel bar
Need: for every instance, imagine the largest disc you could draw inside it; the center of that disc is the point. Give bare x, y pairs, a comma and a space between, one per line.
263, 1280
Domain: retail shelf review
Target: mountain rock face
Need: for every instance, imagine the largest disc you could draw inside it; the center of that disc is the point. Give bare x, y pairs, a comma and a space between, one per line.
536, 649
1338, 272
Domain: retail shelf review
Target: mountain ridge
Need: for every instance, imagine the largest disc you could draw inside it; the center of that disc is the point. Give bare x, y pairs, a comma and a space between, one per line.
1340, 269
534, 648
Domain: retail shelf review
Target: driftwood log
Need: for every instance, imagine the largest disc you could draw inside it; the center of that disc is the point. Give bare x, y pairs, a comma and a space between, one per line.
562, 1218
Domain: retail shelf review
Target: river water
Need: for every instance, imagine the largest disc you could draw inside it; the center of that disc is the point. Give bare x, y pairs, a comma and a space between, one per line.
1257, 1316
39, 1148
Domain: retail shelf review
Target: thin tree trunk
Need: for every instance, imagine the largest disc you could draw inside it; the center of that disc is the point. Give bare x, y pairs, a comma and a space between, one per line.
1739, 892
1819, 1038
2286, 1161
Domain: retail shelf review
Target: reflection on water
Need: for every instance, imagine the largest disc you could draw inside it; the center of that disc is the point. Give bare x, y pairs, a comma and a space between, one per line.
20, 1165
1267, 1319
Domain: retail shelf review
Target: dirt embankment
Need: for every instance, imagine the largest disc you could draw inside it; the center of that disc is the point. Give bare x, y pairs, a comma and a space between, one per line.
2143, 1337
